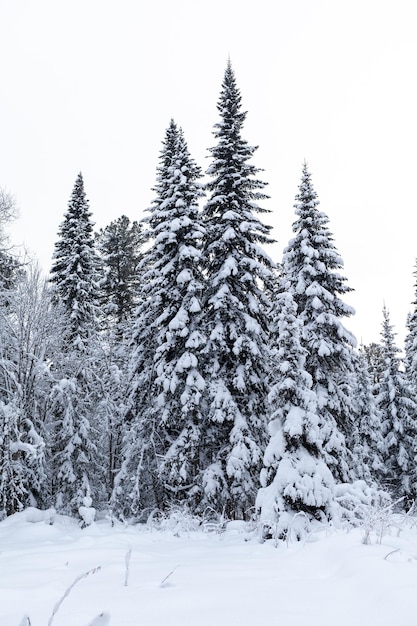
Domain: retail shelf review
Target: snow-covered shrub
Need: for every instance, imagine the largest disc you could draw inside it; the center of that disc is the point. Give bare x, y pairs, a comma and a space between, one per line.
175, 520
382, 518
34, 516
87, 512
178, 519
358, 503
299, 496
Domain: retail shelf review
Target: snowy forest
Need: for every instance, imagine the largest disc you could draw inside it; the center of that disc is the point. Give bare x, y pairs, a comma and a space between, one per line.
170, 363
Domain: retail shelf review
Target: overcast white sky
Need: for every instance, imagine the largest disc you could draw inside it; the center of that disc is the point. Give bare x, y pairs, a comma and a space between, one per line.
91, 85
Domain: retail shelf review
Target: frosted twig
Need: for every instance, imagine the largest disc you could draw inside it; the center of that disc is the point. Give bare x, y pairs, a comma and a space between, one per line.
162, 583
127, 563
389, 553
290, 527
68, 590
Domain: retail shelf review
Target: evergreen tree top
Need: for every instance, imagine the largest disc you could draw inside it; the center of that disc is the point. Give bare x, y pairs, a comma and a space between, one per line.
78, 205
75, 265
229, 103
390, 350
230, 212
76, 230
312, 223
177, 187
174, 230
410, 344
311, 258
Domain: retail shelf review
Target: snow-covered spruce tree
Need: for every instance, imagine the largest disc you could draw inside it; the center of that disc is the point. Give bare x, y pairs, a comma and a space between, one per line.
162, 448
235, 317
76, 459
367, 443
77, 465
398, 409
119, 246
374, 355
297, 485
310, 265
74, 269
177, 359
136, 484
410, 344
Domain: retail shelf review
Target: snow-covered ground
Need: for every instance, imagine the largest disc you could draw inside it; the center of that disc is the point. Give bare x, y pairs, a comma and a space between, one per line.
175, 577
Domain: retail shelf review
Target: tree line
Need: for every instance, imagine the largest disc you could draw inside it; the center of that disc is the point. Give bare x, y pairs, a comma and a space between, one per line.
170, 362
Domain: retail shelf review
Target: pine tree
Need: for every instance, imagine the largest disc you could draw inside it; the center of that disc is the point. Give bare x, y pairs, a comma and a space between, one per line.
398, 409
410, 344
235, 316
162, 447
74, 268
136, 484
177, 358
295, 478
374, 355
311, 265
119, 246
367, 441
76, 458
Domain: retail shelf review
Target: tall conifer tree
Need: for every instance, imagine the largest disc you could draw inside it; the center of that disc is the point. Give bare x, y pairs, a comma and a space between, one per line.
74, 268
74, 398
311, 266
367, 440
162, 446
410, 344
295, 478
120, 249
398, 408
235, 307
